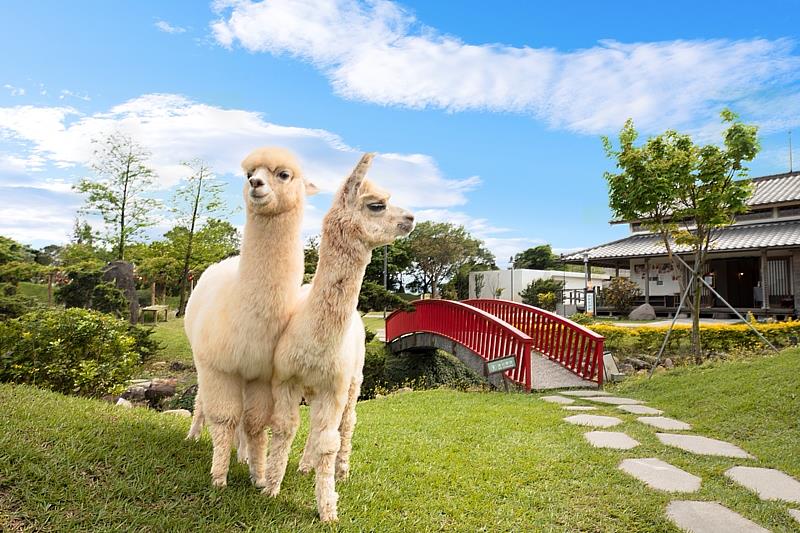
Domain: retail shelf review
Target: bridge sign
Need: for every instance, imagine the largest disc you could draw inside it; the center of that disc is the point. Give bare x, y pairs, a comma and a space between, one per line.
501, 364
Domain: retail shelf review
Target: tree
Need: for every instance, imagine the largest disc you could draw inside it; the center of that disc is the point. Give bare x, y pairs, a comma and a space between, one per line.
199, 196
682, 191
310, 258
399, 260
438, 250
537, 258
117, 194
480, 282
533, 293
458, 285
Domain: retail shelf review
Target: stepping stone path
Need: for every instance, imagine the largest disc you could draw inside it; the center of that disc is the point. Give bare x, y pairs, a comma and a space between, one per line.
769, 484
558, 399
594, 420
709, 517
580, 408
659, 475
662, 422
703, 445
613, 400
610, 439
639, 409
795, 513
586, 392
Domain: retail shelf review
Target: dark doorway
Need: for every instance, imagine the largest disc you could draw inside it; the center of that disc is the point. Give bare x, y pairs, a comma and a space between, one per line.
739, 277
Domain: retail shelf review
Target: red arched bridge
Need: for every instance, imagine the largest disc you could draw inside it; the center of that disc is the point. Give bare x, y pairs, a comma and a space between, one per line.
550, 351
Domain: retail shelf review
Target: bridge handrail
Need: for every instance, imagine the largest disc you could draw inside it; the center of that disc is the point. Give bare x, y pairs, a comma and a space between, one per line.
574, 346
485, 334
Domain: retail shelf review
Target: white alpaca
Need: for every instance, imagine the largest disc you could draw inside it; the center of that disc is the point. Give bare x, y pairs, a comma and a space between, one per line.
241, 306
321, 354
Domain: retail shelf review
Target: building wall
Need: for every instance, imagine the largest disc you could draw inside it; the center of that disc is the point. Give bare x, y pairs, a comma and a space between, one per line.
494, 279
664, 280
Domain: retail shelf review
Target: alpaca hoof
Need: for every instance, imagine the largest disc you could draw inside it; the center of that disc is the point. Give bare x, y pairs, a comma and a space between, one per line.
260, 483
329, 516
269, 490
219, 482
242, 459
193, 436
305, 468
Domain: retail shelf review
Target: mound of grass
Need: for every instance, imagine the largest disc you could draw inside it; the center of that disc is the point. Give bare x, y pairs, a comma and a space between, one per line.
423, 461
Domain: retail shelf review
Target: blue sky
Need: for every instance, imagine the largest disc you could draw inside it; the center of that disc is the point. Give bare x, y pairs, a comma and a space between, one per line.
488, 116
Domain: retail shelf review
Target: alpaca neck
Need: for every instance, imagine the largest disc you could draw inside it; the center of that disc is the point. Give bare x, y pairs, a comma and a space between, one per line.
271, 261
337, 282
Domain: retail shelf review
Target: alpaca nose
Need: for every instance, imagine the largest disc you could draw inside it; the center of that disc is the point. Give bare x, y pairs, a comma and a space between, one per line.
256, 182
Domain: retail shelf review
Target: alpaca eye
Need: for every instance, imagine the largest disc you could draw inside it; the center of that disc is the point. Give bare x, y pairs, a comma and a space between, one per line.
376, 207
249, 174
285, 174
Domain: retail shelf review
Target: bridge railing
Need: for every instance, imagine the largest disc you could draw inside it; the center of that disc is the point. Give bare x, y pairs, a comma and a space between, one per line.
486, 335
575, 347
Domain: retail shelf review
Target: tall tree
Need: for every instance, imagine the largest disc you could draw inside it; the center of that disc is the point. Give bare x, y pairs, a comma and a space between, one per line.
398, 260
122, 178
682, 191
199, 196
537, 258
438, 250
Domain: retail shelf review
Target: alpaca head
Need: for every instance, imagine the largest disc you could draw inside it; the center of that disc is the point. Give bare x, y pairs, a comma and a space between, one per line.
274, 183
362, 210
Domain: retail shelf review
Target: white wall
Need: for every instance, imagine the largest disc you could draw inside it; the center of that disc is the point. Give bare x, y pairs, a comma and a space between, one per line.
664, 281
494, 279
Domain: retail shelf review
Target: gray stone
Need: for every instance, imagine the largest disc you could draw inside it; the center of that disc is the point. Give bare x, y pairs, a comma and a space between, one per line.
639, 409
583, 392
135, 393
668, 363
638, 364
662, 422
610, 439
593, 420
709, 517
580, 408
558, 399
643, 312
121, 273
768, 483
659, 475
122, 402
613, 400
795, 514
703, 445
178, 412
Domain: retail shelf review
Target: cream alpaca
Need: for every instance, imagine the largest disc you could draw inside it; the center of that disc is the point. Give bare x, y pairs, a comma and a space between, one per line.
321, 354
241, 306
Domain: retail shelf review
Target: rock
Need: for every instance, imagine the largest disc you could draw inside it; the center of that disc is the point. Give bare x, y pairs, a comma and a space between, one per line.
121, 273
703, 445
709, 517
177, 366
659, 475
627, 368
638, 364
610, 439
110, 398
159, 364
158, 391
558, 399
165, 381
135, 393
178, 412
768, 483
404, 389
593, 420
639, 409
379, 396
668, 363
122, 402
643, 312
662, 422
614, 400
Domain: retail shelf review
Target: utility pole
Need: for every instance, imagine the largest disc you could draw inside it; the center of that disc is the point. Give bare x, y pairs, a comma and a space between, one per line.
511, 260
385, 274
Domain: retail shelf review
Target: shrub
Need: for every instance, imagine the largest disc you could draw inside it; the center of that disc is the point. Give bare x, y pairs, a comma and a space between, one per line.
13, 304
374, 362
107, 298
72, 351
547, 301
582, 318
531, 294
621, 293
374, 297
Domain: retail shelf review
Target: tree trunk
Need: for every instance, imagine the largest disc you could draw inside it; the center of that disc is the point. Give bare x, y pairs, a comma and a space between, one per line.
187, 258
123, 203
698, 288
153, 293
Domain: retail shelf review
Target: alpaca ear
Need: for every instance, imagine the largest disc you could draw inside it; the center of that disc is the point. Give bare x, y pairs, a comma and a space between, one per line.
311, 189
349, 192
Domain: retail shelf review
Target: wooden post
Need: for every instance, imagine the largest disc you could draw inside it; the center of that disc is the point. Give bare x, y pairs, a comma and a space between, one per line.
49, 289
153, 293
647, 280
764, 281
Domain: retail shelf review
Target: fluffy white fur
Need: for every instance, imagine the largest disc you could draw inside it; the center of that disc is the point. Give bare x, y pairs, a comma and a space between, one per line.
240, 308
321, 354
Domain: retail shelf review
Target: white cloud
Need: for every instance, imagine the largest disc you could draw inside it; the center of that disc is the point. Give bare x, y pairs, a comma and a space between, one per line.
166, 27
66, 93
377, 52
15, 91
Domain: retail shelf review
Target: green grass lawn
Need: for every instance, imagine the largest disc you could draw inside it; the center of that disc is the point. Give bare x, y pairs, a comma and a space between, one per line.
34, 290
424, 461
373, 323
175, 345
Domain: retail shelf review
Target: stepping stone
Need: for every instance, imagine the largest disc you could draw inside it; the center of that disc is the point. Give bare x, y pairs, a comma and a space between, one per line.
703, 445
613, 400
662, 422
593, 420
795, 514
639, 409
768, 483
659, 475
580, 408
709, 517
585, 392
610, 439
558, 399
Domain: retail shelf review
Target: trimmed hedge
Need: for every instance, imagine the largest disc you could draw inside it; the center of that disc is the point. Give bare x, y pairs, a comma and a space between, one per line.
714, 338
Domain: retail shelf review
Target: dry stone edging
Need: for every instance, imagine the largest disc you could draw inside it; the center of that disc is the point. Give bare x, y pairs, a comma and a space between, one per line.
703, 445
660, 475
709, 517
768, 483
593, 420
662, 422
611, 439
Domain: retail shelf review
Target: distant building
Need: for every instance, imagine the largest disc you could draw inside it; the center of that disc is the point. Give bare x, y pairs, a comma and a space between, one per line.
500, 280
754, 264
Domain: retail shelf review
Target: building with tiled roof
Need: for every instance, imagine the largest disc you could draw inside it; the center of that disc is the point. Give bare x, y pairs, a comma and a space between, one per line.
754, 263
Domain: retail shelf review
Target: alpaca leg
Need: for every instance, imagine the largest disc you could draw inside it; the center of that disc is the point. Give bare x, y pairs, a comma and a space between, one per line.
285, 419
242, 451
346, 429
197, 419
309, 458
257, 412
325, 423
222, 406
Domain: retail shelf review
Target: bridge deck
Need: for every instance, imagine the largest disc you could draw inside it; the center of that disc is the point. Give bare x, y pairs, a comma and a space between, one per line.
546, 374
